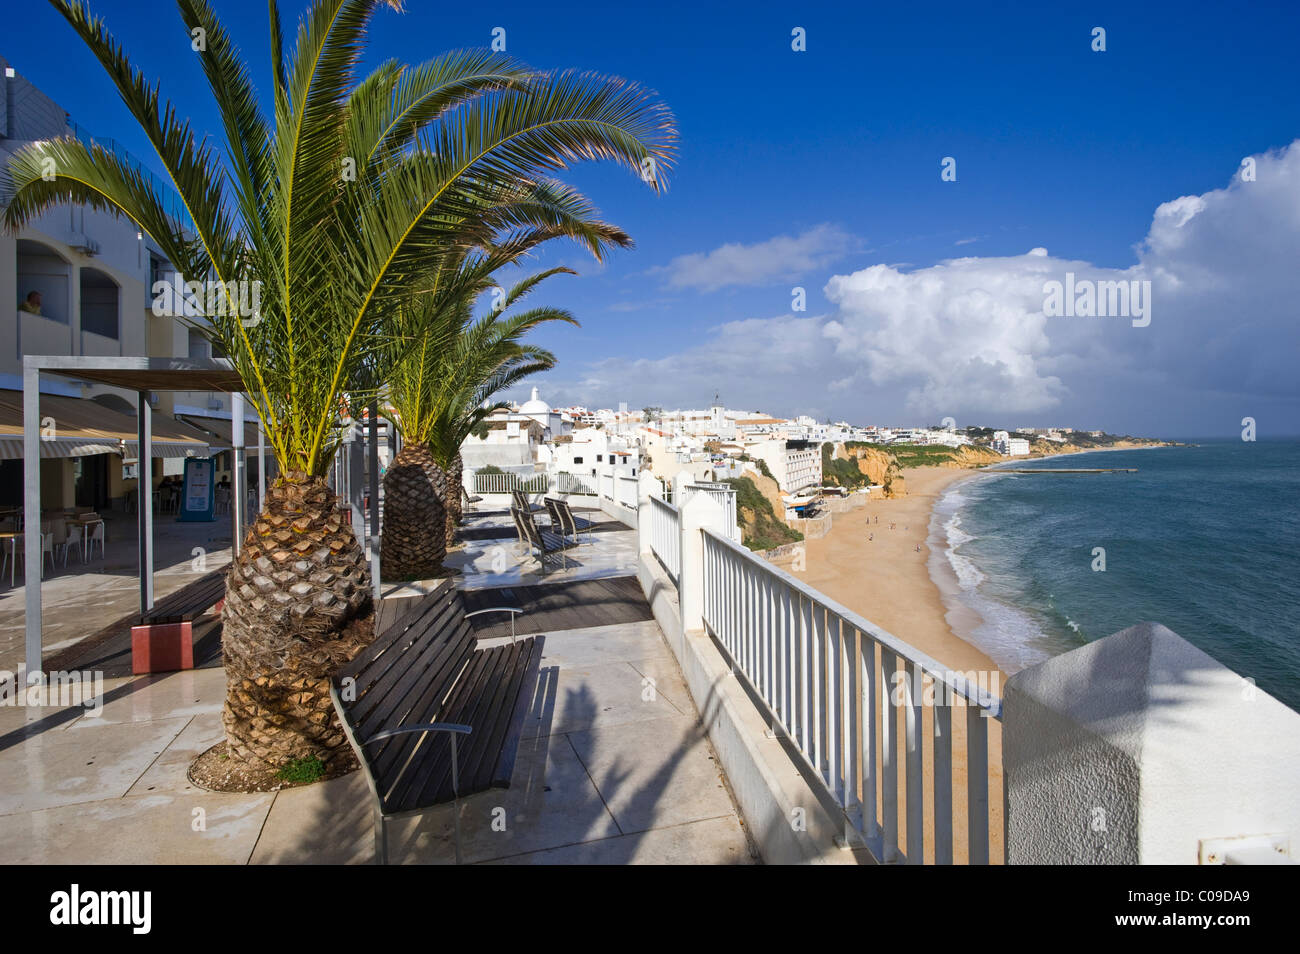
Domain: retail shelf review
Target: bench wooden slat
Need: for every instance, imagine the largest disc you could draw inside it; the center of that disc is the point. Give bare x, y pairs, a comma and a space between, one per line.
422, 781
392, 664
504, 769
384, 690
482, 772
432, 663
475, 705
420, 704
426, 606
487, 701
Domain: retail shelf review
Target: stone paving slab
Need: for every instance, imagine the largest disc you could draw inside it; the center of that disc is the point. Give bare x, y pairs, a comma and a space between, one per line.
715, 841
150, 829
609, 694
654, 773
57, 767
169, 772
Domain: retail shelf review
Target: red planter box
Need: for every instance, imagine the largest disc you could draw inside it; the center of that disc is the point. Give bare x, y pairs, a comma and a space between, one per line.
162, 647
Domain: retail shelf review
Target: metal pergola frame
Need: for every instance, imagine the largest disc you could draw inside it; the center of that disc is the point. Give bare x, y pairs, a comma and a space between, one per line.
145, 375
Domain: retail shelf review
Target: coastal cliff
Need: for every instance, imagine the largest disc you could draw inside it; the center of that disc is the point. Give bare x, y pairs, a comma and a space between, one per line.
878, 465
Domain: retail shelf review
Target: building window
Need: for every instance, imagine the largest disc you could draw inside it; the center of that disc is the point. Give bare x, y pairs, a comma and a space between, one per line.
599, 457
198, 346
578, 460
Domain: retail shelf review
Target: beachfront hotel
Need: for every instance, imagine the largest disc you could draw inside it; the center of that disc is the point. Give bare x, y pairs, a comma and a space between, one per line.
435, 621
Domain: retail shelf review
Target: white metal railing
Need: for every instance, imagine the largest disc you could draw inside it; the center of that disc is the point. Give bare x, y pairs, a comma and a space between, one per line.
838, 687
505, 483
626, 489
575, 484
723, 494
666, 536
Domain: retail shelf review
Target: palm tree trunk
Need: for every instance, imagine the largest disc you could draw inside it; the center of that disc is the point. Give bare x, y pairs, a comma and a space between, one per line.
455, 508
415, 515
300, 578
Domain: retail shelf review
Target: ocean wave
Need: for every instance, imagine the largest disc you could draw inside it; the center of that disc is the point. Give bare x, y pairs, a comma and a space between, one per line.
1005, 633
1008, 635
967, 573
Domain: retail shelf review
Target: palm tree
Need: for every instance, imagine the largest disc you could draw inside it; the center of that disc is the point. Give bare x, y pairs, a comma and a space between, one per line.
440, 374
331, 206
466, 414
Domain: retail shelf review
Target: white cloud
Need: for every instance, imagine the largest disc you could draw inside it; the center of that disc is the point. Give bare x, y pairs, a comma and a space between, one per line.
783, 258
967, 337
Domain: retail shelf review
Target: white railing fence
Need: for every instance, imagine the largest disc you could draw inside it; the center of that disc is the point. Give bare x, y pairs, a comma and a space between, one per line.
665, 533
874, 718
505, 483
575, 484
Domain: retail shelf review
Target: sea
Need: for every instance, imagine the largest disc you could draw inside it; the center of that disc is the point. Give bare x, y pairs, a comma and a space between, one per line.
1204, 539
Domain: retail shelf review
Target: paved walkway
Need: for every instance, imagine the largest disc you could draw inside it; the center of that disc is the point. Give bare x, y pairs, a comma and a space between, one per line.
614, 768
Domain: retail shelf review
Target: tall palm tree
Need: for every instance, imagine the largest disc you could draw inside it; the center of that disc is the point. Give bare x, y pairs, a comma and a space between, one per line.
332, 204
432, 370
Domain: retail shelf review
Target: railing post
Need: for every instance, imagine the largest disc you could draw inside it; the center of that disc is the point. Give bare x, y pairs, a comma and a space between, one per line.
701, 512
646, 487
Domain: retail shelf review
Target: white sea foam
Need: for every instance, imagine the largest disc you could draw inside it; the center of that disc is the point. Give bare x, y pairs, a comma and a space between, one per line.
968, 574
1006, 634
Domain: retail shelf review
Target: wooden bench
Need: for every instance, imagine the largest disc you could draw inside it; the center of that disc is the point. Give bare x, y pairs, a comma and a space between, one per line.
563, 519
163, 639
405, 700
547, 542
523, 503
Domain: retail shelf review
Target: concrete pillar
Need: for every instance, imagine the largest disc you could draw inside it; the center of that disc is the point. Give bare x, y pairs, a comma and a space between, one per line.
1141, 749
701, 512
679, 486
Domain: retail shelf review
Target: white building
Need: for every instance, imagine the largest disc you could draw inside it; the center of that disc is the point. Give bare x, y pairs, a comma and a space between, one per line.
794, 464
1010, 446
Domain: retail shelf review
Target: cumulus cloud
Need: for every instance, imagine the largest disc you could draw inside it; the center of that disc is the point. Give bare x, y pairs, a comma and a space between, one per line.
782, 258
968, 337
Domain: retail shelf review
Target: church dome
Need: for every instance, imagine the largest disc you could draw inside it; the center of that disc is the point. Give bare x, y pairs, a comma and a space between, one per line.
535, 405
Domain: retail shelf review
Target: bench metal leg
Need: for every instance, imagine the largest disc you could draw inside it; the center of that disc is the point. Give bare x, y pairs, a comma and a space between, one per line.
381, 837
455, 789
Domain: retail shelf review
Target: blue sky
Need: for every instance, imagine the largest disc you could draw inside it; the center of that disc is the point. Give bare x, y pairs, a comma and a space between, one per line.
837, 149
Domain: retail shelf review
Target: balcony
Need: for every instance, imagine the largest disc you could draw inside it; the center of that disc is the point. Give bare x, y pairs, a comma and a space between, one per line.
698, 705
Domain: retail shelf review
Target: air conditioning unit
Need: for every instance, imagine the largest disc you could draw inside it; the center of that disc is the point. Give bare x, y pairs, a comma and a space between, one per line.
214, 404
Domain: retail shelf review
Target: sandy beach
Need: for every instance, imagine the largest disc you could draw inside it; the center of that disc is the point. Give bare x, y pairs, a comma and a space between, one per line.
879, 573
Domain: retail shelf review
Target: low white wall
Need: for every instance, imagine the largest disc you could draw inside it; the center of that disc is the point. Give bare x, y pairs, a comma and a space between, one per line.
623, 514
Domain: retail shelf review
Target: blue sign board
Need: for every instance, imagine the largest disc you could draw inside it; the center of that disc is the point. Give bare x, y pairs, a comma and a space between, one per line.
198, 498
